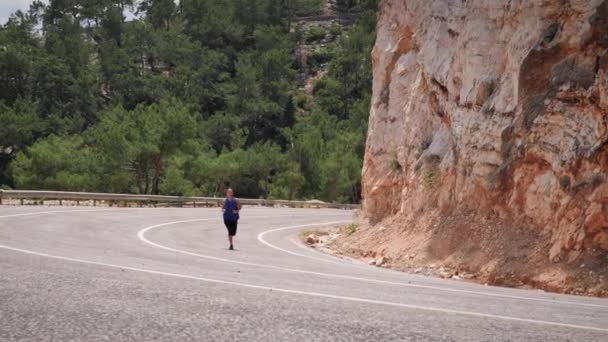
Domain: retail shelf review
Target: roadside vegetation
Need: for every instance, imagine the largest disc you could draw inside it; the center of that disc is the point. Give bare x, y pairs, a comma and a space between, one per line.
185, 99
349, 229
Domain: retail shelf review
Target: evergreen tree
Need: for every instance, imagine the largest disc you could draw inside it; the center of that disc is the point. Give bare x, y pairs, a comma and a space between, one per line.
184, 99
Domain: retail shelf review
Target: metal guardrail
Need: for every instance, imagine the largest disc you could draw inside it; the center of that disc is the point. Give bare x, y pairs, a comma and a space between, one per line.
38, 197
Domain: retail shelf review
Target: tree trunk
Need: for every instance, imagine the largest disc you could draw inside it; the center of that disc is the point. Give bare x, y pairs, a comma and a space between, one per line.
138, 180
158, 165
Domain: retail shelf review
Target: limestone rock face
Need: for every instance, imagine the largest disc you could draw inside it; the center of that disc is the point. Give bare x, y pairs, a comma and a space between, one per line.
499, 108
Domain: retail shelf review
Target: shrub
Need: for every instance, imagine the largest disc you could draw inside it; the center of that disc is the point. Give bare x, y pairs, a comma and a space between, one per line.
429, 179
307, 8
394, 163
304, 234
320, 57
315, 33
301, 101
350, 229
335, 30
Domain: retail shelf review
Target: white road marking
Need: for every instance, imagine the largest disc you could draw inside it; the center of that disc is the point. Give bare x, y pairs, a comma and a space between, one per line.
141, 235
53, 212
306, 293
261, 239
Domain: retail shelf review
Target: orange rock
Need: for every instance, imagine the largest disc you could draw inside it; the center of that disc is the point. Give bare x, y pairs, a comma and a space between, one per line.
495, 110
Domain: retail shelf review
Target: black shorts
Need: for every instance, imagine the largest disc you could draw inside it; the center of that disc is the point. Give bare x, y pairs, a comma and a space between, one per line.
231, 226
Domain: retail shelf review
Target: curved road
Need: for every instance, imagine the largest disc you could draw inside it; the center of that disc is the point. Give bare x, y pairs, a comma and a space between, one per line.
94, 274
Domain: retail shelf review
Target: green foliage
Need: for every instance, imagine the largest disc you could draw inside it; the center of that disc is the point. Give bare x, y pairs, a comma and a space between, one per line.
341, 170
394, 164
315, 33
301, 101
429, 179
174, 183
330, 96
304, 234
350, 229
319, 58
19, 125
335, 30
56, 162
288, 183
223, 131
305, 8
143, 139
186, 99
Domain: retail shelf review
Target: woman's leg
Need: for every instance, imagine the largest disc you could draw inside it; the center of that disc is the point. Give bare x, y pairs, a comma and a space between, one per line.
231, 232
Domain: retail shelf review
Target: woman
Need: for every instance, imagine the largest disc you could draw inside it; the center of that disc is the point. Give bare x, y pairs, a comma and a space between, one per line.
231, 209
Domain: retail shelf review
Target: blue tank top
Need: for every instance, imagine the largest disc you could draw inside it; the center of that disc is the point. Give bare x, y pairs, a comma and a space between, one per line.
231, 208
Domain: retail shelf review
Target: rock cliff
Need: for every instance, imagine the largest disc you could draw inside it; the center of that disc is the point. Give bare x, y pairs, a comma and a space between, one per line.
488, 137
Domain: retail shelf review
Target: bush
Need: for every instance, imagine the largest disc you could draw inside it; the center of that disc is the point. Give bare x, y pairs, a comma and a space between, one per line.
175, 184
394, 163
335, 30
301, 101
349, 229
315, 33
319, 58
306, 8
429, 179
55, 163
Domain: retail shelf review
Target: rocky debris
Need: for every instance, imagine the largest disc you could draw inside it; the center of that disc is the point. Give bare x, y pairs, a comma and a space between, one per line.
488, 136
465, 275
445, 272
312, 239
380, 260
319, 236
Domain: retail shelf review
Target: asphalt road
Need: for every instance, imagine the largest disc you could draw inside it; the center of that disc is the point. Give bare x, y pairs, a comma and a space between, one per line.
86, 274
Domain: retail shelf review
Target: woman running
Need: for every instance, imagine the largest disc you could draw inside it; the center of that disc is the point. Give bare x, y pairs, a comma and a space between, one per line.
231, 209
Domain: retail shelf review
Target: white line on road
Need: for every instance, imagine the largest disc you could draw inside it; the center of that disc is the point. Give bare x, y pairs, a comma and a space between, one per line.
260, 237
306, 293
53, 212
262, 234
141, 235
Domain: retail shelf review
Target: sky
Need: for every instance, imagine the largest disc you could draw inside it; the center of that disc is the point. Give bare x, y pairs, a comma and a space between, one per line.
7, 7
